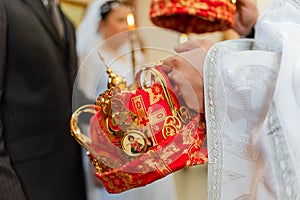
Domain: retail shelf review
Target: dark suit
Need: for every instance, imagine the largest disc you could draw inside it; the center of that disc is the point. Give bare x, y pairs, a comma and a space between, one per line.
38, 157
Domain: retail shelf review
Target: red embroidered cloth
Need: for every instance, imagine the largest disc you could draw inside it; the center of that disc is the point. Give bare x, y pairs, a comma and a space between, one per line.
143, 139
193, 16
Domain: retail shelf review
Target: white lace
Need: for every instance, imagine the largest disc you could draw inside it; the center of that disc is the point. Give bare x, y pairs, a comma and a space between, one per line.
253, 111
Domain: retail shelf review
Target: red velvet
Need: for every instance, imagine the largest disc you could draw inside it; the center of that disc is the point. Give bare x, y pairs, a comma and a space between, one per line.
193, 16
161, 153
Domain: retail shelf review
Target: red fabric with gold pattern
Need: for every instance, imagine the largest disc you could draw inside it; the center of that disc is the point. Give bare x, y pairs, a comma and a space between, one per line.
143, 139
193, 16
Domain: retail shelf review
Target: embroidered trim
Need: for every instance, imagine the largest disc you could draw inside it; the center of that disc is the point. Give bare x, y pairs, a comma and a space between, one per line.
213, 138
284, 168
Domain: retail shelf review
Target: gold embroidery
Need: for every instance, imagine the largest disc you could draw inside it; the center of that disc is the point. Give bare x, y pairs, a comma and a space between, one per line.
155, 118
171, 126
159, 160
155, 94
122, 177
140, 109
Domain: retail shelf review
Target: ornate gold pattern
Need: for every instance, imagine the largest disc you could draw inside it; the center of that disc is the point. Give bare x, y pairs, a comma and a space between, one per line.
138, 134
193, 16
171, 126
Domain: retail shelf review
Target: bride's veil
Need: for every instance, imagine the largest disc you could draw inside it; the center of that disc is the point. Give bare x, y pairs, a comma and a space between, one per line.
87, 33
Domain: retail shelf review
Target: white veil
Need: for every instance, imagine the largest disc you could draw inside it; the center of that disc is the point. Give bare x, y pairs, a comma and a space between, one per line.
253, 110
92, 77
87, 35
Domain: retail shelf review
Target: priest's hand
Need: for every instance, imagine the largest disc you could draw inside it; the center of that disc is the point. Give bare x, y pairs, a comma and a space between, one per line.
185, 71
246, 16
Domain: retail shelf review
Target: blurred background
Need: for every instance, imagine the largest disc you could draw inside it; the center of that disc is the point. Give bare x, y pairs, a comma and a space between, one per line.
75, 10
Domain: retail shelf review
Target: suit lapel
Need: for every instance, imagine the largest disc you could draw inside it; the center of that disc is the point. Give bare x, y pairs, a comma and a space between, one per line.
40, 11
71, 49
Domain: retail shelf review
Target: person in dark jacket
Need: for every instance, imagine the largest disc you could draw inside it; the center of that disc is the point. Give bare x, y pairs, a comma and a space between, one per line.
39, 159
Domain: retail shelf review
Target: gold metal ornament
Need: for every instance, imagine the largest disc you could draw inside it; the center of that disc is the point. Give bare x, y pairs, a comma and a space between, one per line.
113, 79
134, 143
123, 123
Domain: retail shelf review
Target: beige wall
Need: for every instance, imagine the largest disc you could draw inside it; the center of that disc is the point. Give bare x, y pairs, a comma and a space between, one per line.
74, 9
